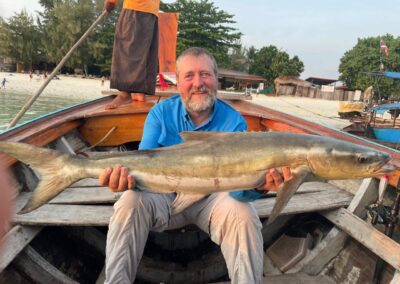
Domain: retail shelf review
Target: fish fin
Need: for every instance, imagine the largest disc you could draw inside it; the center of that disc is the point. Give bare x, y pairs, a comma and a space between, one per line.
184, 200
288, 189
203, 135
53, 167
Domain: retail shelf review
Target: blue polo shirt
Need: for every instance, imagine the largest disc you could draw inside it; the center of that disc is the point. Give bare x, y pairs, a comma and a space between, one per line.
168, 118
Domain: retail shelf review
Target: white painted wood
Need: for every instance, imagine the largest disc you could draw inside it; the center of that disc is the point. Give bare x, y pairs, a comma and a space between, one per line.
269, 266
306, 202
90, 215
38, 269
67, 215
63, 145
102, 276
14, 242
396, 278
367, 235
334, 241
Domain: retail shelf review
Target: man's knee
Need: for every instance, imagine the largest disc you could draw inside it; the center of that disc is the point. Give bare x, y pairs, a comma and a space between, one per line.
129, 200
234, 211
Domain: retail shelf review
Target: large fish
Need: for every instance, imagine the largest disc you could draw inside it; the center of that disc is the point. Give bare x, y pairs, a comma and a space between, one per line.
209, 162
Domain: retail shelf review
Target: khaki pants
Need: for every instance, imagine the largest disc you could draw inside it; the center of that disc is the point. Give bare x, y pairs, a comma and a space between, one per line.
232, 224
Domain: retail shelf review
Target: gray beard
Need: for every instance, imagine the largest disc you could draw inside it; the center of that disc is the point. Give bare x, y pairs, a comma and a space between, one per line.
203, 105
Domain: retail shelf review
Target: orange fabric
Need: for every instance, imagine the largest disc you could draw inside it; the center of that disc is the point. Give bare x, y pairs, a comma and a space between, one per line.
167, 33
148, 6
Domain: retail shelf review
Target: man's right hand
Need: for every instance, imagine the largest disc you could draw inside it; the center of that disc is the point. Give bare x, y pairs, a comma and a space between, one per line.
117, 178
109, 5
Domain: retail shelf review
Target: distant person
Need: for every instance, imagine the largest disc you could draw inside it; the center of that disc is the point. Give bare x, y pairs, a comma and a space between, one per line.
45, 75
30, 75
135, 52
3, 83
102, 80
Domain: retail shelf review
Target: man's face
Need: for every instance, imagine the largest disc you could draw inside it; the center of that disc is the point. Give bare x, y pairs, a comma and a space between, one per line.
197, 83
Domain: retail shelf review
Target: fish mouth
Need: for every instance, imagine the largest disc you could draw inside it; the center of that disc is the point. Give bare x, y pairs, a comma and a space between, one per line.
386, 167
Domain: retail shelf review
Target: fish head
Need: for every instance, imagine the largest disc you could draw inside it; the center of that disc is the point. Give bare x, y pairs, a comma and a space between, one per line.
344, 160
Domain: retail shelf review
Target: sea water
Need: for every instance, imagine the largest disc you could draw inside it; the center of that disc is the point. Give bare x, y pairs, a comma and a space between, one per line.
12, 102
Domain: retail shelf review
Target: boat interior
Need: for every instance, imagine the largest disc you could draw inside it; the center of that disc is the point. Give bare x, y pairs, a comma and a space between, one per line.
322, 236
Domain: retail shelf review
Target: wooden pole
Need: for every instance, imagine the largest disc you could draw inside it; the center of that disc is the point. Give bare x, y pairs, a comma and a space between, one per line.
29, 103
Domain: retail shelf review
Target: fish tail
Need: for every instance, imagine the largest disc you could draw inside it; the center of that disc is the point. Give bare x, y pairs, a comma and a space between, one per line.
54, 168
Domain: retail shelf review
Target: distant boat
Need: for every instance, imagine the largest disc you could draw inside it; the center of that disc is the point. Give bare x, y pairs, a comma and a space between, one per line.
386, 130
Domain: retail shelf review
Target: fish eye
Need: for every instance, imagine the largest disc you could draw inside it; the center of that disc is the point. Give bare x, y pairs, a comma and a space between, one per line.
362, 159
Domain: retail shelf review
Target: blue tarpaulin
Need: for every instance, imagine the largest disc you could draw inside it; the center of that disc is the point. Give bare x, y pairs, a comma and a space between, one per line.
395, 75
385, 107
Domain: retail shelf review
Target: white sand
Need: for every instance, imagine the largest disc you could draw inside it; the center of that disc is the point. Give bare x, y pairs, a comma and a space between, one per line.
320, 111
68, 86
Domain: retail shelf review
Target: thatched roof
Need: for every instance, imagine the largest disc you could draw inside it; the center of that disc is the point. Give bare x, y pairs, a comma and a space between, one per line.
291, 80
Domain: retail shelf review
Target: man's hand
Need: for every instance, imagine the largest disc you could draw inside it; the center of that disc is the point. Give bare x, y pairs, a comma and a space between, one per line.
117, 179
273, 179
109, 5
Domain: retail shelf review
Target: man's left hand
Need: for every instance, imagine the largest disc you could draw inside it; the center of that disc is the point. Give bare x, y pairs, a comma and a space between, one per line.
274, 178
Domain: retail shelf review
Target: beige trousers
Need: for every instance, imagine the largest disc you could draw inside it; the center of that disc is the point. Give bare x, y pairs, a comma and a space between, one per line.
232, 224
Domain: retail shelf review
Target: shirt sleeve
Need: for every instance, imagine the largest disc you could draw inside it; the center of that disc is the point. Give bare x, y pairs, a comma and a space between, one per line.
151, 132
246, 195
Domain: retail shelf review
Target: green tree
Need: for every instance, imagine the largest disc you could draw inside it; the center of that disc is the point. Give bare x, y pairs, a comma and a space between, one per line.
238, 58
19, 39
367, 56
270, 63
204, 25
63, 24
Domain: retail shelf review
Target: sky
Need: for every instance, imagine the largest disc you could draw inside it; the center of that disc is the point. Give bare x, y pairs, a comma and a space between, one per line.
318, 32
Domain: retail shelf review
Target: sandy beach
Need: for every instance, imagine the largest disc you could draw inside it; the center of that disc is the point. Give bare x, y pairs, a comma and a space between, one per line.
321, 111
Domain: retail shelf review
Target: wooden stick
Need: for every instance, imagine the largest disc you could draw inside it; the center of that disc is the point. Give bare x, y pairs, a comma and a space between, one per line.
29, 103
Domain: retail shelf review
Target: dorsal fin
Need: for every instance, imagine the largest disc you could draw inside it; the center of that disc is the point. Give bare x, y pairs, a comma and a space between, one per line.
201, 135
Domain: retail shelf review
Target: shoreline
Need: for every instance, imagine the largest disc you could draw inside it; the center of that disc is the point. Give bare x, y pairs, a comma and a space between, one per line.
324, 112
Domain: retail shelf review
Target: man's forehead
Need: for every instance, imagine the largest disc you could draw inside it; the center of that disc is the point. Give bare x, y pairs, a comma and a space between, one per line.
191, 63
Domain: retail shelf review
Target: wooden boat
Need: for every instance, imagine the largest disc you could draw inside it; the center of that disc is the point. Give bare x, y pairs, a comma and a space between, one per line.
379, 125
64, 241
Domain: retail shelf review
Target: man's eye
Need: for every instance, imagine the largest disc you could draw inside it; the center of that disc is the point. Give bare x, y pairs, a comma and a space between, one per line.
204, 75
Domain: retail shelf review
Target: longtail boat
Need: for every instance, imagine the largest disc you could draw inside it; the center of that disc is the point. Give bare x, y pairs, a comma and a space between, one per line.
322, 235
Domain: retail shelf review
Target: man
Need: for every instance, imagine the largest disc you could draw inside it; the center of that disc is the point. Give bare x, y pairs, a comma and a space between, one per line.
135, 52
231, 223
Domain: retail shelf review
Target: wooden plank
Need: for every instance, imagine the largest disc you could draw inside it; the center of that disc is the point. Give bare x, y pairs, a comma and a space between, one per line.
91, 215
67, 215
87, 182
334, 241
306, 202
129, 129
42, 138
14, 242
295, 278
367, 235
38, 269
92, 194
396, 278
77, 195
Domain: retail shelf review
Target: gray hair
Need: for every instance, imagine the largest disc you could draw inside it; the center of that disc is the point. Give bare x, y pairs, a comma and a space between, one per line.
197, 52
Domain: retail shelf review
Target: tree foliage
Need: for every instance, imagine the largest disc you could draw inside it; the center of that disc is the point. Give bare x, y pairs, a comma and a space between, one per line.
19, 39
203, 24
367, 56
270, 63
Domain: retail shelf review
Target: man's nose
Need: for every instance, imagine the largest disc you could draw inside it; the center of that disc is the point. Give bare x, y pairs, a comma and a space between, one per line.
197, 81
